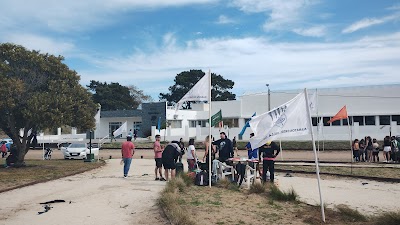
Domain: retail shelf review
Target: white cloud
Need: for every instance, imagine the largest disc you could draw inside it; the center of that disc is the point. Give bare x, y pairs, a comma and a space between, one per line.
281, 14
65, 16
251, 62
222, 19
316, 31
38, 42
367, 22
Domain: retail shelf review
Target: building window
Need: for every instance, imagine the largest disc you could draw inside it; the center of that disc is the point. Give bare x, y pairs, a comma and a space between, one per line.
384, 120
176, 123
325, 120
359, 120
345, 123
336, 123
370, 120
315, 121
396, 118
201, 123
112, 126
231, 122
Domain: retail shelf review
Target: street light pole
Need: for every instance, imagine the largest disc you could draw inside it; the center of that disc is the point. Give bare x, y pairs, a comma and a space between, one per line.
269, 99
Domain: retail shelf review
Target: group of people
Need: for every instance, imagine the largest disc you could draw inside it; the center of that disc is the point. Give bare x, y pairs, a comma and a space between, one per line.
367, 149
167, 157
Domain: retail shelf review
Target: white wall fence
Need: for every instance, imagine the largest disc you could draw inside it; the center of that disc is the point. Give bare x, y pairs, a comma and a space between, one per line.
332, 133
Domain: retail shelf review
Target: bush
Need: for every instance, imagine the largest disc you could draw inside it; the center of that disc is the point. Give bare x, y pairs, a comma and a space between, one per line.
389, 218
257, 188
276, 194
189, 181
351, 215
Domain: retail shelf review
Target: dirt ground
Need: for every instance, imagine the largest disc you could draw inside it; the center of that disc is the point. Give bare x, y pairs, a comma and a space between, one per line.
334, 156
98, 197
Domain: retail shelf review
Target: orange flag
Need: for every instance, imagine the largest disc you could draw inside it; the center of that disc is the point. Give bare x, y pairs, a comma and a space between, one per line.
342, 114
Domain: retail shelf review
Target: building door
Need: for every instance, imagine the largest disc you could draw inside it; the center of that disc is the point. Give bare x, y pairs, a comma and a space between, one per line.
112, 126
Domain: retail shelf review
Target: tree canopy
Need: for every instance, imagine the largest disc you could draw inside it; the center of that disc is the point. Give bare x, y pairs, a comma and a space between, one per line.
38, 92
113, 96
185, 80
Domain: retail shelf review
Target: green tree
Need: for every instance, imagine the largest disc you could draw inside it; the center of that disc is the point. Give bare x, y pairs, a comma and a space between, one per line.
114, 96
185, 80
39, 92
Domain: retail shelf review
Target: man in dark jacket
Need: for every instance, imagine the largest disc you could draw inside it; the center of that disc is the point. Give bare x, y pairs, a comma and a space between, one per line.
225, 147
169, 158
268, 156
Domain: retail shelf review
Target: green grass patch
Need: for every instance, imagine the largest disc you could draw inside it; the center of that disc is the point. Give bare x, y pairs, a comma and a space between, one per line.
350, 215
276, 194
257, 188
37, 171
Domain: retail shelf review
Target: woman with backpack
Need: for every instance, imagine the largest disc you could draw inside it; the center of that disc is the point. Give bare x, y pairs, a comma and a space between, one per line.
375, 150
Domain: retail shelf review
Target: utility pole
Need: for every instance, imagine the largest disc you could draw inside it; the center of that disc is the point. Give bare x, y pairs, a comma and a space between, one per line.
269, 99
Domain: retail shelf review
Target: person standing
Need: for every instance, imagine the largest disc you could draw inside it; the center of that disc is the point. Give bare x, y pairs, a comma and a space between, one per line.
135, 132
191, 155
369, 148
235, 148
386, 148
395, 149
268, 159
169, 158
157, 157
206, 157
3, 150
356, 150
225, 147
130, 134
127, 151
375, 150
362, 149
251, 153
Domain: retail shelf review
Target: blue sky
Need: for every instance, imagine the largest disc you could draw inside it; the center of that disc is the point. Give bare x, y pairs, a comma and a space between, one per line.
289, 44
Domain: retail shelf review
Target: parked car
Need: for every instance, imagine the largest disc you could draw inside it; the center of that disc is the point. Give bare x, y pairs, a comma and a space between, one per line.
8, 142
78, 151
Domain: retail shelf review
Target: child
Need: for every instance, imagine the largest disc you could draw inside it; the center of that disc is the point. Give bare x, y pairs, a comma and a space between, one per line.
157, 157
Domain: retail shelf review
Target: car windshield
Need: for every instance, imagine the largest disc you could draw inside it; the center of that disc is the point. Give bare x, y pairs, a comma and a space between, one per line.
77, 145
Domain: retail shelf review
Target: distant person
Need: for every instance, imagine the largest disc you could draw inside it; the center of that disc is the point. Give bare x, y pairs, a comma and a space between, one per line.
356, 150
225, 147
362, 149
251, 153
268, 158
135, 134
170, 156
191, 155
387, 148
130, 134
112, 136
368, 149
234, 144
375, 150
3, 149
127, 151
181, 144
12, 158
158, 149
395, 149
206, 157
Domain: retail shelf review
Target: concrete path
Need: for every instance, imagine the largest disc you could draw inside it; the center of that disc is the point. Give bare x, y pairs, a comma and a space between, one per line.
355, 165
98, 197
365, 195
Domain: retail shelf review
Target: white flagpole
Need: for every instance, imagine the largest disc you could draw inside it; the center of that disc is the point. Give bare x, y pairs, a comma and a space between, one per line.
316, 91
280, 148
209, 137
351, 144
316, 158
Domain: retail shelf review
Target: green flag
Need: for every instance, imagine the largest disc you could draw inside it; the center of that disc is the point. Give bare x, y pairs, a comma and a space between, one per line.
216, 118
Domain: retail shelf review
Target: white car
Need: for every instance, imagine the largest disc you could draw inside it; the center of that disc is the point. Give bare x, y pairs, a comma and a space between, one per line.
78, 151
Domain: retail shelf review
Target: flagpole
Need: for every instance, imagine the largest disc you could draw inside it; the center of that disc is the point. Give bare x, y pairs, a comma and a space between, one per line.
351, 145
209, 137
316, 91
280, 148
315, 156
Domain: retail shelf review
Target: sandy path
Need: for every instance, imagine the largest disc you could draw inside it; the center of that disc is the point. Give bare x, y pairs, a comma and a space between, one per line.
98, 197
371, 197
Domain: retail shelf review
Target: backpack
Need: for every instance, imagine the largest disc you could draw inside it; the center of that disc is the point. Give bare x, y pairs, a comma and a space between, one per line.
202, 179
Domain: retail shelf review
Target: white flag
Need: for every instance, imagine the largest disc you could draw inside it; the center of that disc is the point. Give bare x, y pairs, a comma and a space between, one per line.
288, 120
122, 128
97, 119
313, 103
199, 92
